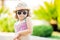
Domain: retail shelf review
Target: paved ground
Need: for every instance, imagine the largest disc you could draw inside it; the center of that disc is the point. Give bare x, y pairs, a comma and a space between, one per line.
9, 36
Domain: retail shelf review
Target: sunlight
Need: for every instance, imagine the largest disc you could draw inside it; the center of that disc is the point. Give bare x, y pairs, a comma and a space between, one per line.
32, 4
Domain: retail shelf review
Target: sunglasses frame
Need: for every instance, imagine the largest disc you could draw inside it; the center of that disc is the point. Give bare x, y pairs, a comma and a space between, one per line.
22, 12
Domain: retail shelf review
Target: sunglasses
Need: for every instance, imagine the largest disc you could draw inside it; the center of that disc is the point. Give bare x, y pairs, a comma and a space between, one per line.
24, 11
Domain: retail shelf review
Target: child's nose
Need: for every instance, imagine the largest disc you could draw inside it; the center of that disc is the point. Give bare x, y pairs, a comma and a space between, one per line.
21, 13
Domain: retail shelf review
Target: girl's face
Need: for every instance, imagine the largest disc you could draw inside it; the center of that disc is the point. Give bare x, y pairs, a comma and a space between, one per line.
22, 13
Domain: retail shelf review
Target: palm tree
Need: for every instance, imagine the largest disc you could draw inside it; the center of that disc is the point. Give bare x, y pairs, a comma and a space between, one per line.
6, 23
57, 3
3, 9
2, 2
49, 13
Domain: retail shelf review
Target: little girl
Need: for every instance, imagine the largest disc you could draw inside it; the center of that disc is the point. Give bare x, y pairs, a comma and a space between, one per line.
23, 25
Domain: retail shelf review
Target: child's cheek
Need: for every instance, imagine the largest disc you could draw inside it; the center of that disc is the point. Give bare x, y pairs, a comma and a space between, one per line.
25, 16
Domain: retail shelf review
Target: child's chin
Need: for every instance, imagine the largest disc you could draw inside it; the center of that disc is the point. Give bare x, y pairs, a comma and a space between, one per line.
21, 19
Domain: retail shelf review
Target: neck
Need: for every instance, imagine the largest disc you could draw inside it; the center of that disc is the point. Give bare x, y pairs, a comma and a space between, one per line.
20, 19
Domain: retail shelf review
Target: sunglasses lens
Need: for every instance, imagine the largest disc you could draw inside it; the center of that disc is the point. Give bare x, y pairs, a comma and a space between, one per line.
24, 13
18, 12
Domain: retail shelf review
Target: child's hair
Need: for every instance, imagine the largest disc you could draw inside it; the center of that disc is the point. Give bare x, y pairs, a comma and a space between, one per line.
22, 4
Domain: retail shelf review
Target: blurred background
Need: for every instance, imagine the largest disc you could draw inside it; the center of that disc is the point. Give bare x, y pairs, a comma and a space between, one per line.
45, 16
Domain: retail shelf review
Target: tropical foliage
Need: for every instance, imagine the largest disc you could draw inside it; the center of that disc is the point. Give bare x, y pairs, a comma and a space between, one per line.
6, 20
47, 13
42, 30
